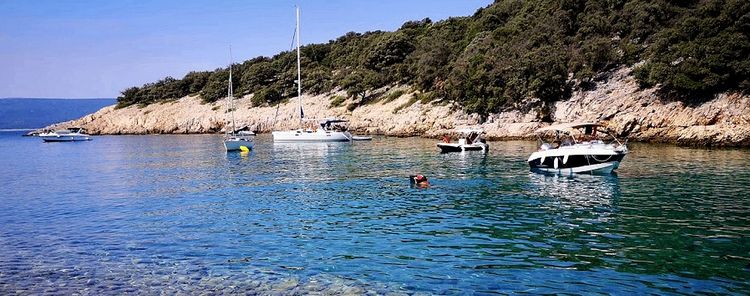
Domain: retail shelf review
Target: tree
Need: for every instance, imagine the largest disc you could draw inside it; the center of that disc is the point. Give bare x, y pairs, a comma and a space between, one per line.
257, 76
216, 87
128, 97
358, 82
507, 54
195, 81
266, 95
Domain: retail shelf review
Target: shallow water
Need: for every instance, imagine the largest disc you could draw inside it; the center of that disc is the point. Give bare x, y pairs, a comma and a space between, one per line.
177, 214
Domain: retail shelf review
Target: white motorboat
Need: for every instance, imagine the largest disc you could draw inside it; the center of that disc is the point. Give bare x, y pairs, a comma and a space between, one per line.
330, 130
469, 140
235, 141
73, 134
578, 147
326, 132
361, 138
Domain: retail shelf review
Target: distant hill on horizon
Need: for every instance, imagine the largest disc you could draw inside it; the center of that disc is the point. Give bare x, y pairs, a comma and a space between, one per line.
30, 113
29, 98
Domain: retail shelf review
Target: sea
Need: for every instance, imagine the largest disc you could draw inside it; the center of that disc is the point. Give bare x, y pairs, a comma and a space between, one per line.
176, 214
34, 113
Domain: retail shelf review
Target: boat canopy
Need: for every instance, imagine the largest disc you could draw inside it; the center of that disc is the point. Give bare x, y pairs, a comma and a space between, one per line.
327, 123
566, 127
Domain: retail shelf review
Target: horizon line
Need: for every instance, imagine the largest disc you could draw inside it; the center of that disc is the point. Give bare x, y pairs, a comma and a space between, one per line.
39, 98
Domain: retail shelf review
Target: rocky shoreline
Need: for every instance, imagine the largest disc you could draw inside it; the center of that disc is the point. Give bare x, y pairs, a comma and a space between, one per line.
633, 113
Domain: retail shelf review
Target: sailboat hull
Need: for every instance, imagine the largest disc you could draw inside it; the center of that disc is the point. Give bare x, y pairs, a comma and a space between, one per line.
236, 144
311, 136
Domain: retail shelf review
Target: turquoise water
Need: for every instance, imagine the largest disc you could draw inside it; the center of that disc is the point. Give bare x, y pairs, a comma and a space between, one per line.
177, 214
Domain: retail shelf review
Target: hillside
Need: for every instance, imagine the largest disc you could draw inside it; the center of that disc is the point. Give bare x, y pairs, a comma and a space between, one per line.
511, 55
652, 70
631, 112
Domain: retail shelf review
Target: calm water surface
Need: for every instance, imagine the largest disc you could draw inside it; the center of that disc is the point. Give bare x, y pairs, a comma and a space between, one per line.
177, 214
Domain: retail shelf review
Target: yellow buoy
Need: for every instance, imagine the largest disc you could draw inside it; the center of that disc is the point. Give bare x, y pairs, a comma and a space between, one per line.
244, 149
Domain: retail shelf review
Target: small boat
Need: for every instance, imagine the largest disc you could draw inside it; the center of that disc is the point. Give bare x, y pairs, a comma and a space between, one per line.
236, 140
73, 134
578, 147
361, 138
470, 140
328, 131
238, 143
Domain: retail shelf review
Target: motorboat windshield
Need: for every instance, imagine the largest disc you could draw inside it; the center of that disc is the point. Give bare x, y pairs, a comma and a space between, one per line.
68, 131
467, 135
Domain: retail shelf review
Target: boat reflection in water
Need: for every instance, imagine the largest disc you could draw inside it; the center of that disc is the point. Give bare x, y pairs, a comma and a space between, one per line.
308, 161
592, 194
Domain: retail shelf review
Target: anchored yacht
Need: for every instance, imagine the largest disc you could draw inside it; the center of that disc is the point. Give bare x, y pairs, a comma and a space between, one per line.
578, 147
326, 132
72, 134
329, 130
236, 140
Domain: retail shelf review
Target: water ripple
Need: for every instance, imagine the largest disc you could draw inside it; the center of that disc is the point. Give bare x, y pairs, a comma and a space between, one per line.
177, 215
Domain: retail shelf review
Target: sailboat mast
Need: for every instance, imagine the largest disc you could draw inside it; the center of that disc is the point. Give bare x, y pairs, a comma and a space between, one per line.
230, 91
299, 73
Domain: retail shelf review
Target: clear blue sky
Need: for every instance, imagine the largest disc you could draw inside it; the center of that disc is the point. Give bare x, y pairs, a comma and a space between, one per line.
84, 49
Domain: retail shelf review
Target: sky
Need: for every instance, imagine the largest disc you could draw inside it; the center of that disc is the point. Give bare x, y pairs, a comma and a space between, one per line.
95, 49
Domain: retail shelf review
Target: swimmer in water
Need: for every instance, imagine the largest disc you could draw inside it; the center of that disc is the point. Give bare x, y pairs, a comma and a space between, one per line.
420, 181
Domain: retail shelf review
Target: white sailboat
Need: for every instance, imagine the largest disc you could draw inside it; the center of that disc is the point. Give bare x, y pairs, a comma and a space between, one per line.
329, 130
235, 141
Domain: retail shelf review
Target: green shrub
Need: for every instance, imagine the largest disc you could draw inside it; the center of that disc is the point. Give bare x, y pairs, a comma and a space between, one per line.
336, 101
425, 98
264, 96
393, 95
502, 55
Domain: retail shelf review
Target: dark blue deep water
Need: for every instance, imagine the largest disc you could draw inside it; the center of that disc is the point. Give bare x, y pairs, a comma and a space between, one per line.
29, 113
177, 214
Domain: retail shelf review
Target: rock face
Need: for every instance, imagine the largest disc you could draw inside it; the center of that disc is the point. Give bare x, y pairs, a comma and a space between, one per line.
638, 114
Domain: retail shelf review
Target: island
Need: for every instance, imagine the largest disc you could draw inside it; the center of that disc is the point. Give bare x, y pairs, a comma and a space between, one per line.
652, 72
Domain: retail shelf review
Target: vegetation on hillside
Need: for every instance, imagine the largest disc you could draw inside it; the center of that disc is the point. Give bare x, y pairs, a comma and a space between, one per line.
505, 54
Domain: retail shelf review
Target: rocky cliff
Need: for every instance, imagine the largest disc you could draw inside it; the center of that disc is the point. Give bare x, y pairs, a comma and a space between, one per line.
638, 114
